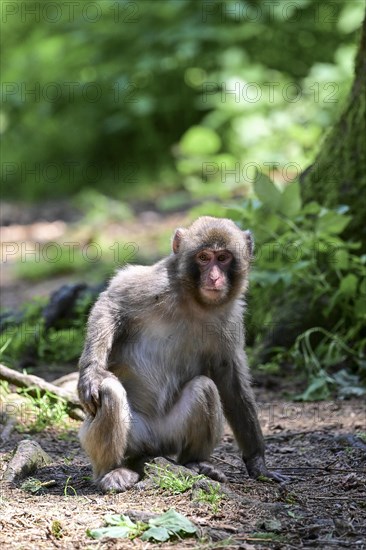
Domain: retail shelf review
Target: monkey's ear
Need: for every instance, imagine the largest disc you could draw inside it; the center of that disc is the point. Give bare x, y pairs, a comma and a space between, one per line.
250, 243
177, 239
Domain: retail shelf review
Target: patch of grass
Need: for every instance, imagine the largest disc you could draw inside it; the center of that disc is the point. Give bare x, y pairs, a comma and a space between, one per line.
43, 411
212, 496
172, 482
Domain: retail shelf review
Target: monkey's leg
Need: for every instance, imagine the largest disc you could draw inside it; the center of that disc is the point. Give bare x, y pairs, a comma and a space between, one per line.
196, 422
104, 438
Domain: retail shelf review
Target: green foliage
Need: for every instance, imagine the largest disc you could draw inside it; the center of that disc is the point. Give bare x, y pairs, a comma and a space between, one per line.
211, 496
55, 345
168, 480
34, 485
43, 411
98, 97
303, 262
169, 525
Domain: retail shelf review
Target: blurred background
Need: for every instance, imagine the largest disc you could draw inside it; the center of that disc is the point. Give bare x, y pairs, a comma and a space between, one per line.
124, 119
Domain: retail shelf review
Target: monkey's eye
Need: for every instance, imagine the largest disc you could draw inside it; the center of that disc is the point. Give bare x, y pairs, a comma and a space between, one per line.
203, 258
224, 258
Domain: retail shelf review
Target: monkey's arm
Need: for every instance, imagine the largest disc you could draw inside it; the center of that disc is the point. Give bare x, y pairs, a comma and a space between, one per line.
233, 382
93, 364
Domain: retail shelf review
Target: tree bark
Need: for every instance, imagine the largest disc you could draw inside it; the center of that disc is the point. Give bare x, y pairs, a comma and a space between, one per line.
338, 175
28, 457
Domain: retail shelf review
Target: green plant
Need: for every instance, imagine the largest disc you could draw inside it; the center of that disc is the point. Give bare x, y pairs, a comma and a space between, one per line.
212, 496
169, 525
34, 485
56, 529
304, 269
68, 488
61, 344
168, 480
43, 411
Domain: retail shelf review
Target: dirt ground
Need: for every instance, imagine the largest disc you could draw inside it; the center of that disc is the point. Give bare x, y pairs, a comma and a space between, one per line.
322, 506
316, 444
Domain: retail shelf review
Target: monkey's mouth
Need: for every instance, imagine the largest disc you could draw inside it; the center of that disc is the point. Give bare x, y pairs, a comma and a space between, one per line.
212, 289
212, 293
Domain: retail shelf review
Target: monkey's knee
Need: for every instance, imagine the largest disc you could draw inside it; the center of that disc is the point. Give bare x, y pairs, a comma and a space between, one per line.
203, 429
104, 436
206, 401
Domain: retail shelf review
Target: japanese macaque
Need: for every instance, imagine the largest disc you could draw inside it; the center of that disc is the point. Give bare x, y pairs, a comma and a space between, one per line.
164, 360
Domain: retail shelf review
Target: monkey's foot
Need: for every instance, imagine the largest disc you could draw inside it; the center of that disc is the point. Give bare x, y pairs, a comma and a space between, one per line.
118, 480
257, 469
207, 469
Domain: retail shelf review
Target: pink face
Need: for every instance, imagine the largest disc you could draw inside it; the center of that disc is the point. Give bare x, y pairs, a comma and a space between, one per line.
214, 265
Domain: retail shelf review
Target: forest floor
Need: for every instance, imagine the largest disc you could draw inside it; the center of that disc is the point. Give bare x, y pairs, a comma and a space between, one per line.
319, 446
322, 506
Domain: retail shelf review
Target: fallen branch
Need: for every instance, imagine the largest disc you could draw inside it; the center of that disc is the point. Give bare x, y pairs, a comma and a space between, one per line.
37, 385
27, 458
8, 428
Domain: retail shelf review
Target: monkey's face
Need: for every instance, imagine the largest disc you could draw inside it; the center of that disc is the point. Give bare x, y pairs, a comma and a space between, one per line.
213, 266
212, 258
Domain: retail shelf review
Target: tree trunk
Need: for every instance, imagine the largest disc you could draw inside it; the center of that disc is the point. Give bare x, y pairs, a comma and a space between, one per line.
338, 175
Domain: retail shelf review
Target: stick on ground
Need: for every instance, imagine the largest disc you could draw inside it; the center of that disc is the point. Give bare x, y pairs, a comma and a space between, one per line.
39, 384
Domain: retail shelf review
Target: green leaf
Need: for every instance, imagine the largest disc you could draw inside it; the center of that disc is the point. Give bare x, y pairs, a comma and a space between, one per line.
341, 259
318, 389
290, 203
113, 532
120, 520
160, 534
199, 140
119, 526
332, 222
266, 191
312, 208
174, 523
348, 285
360, 308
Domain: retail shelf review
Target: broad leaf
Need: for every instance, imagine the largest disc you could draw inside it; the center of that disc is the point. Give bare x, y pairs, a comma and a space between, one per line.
267, 192
318, 389
119, 526
332, 223
348, 285
160, 534
113, 532
172, 522
290, 203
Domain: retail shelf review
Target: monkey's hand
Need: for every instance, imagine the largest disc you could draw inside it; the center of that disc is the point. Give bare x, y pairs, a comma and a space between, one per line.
88, 388
257, 468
